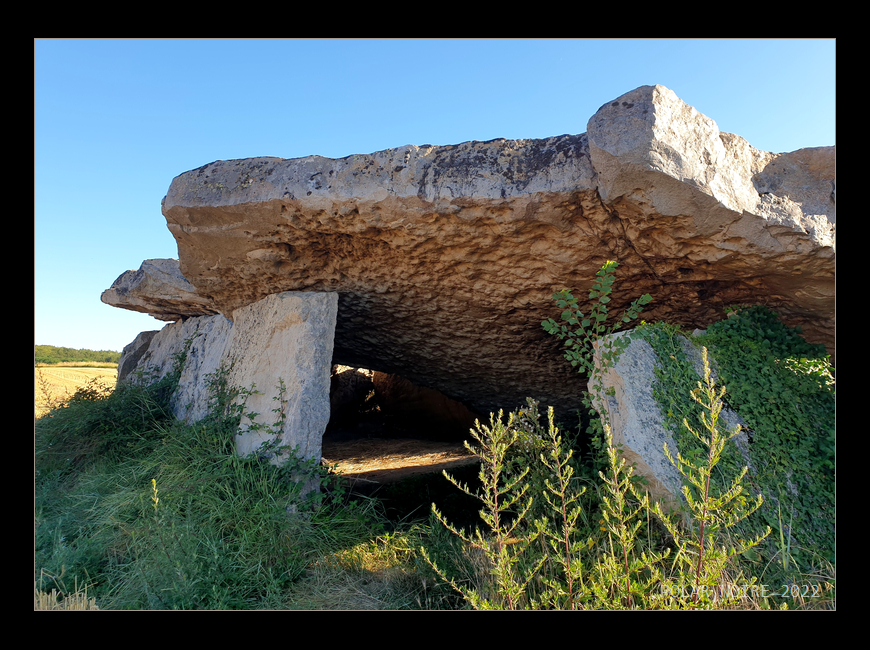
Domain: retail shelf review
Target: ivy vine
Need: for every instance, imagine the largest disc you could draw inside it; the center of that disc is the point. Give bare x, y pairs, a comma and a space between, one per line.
783, 389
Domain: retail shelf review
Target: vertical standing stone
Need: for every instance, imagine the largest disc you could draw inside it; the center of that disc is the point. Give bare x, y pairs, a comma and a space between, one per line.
635, 417
286, 337
283, 338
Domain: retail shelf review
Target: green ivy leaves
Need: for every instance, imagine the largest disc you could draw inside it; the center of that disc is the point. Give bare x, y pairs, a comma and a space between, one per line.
783, 388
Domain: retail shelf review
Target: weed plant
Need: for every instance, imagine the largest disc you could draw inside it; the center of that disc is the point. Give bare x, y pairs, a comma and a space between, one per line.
783, 389
504, 509
581, 333
536, 548
702, 561
141, 511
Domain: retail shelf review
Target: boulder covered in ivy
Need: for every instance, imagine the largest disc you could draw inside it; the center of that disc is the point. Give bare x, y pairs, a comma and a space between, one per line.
779, 389
639, 425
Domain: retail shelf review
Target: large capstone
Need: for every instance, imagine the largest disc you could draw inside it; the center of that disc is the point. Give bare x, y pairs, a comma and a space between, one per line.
445, 258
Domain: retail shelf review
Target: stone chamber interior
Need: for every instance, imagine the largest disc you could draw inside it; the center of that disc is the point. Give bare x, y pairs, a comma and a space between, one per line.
392, 439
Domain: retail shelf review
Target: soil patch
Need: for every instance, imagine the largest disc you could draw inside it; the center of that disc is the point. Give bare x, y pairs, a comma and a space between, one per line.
382, 460
378, 449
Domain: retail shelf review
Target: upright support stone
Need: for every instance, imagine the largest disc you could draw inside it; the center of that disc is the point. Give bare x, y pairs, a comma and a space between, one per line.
284, 339
634, 415
636, 419
282, 346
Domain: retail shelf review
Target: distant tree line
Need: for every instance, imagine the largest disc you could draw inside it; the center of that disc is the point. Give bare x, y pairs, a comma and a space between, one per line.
52, 354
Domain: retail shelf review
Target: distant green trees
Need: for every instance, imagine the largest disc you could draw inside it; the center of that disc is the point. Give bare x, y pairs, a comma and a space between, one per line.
52, 354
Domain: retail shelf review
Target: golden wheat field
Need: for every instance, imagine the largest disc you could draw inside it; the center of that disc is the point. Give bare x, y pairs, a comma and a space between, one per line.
53, 384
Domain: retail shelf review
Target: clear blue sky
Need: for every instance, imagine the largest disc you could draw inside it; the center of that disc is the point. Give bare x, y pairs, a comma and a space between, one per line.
116, 120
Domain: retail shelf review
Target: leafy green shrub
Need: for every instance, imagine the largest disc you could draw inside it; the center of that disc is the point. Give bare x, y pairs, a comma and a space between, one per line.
504, 510
702, 557
583, 332
521, 466
783, 389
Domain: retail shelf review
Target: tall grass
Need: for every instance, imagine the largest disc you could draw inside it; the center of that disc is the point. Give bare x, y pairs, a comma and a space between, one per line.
136, 510
149, 513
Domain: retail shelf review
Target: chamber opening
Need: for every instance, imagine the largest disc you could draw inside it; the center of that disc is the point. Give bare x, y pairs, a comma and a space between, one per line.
384, 429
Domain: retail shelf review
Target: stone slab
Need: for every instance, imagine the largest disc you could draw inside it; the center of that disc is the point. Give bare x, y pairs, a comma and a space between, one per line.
285, 337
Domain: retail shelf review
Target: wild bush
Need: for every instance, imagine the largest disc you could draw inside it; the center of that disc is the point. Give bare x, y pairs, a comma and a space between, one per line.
640, 556
783, 389
581, 333
505, 507
703, 558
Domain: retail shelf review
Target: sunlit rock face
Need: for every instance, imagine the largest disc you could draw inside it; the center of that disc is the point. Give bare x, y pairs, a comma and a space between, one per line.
278, 350
635, 417
445, 257
158, 289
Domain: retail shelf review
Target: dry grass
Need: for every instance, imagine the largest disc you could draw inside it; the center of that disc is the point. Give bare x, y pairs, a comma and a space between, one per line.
78, 364
53, 385
77, 601
375, 575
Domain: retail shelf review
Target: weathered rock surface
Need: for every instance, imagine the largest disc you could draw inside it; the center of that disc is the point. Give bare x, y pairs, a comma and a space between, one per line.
285, 337
445, 258
152, 356
288, 336
132, 354
635, 416
426, 409
159, 289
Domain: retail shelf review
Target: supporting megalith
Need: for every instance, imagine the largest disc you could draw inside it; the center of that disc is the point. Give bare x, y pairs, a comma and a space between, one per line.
443, 260
277, 350
638, 427
282, 345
